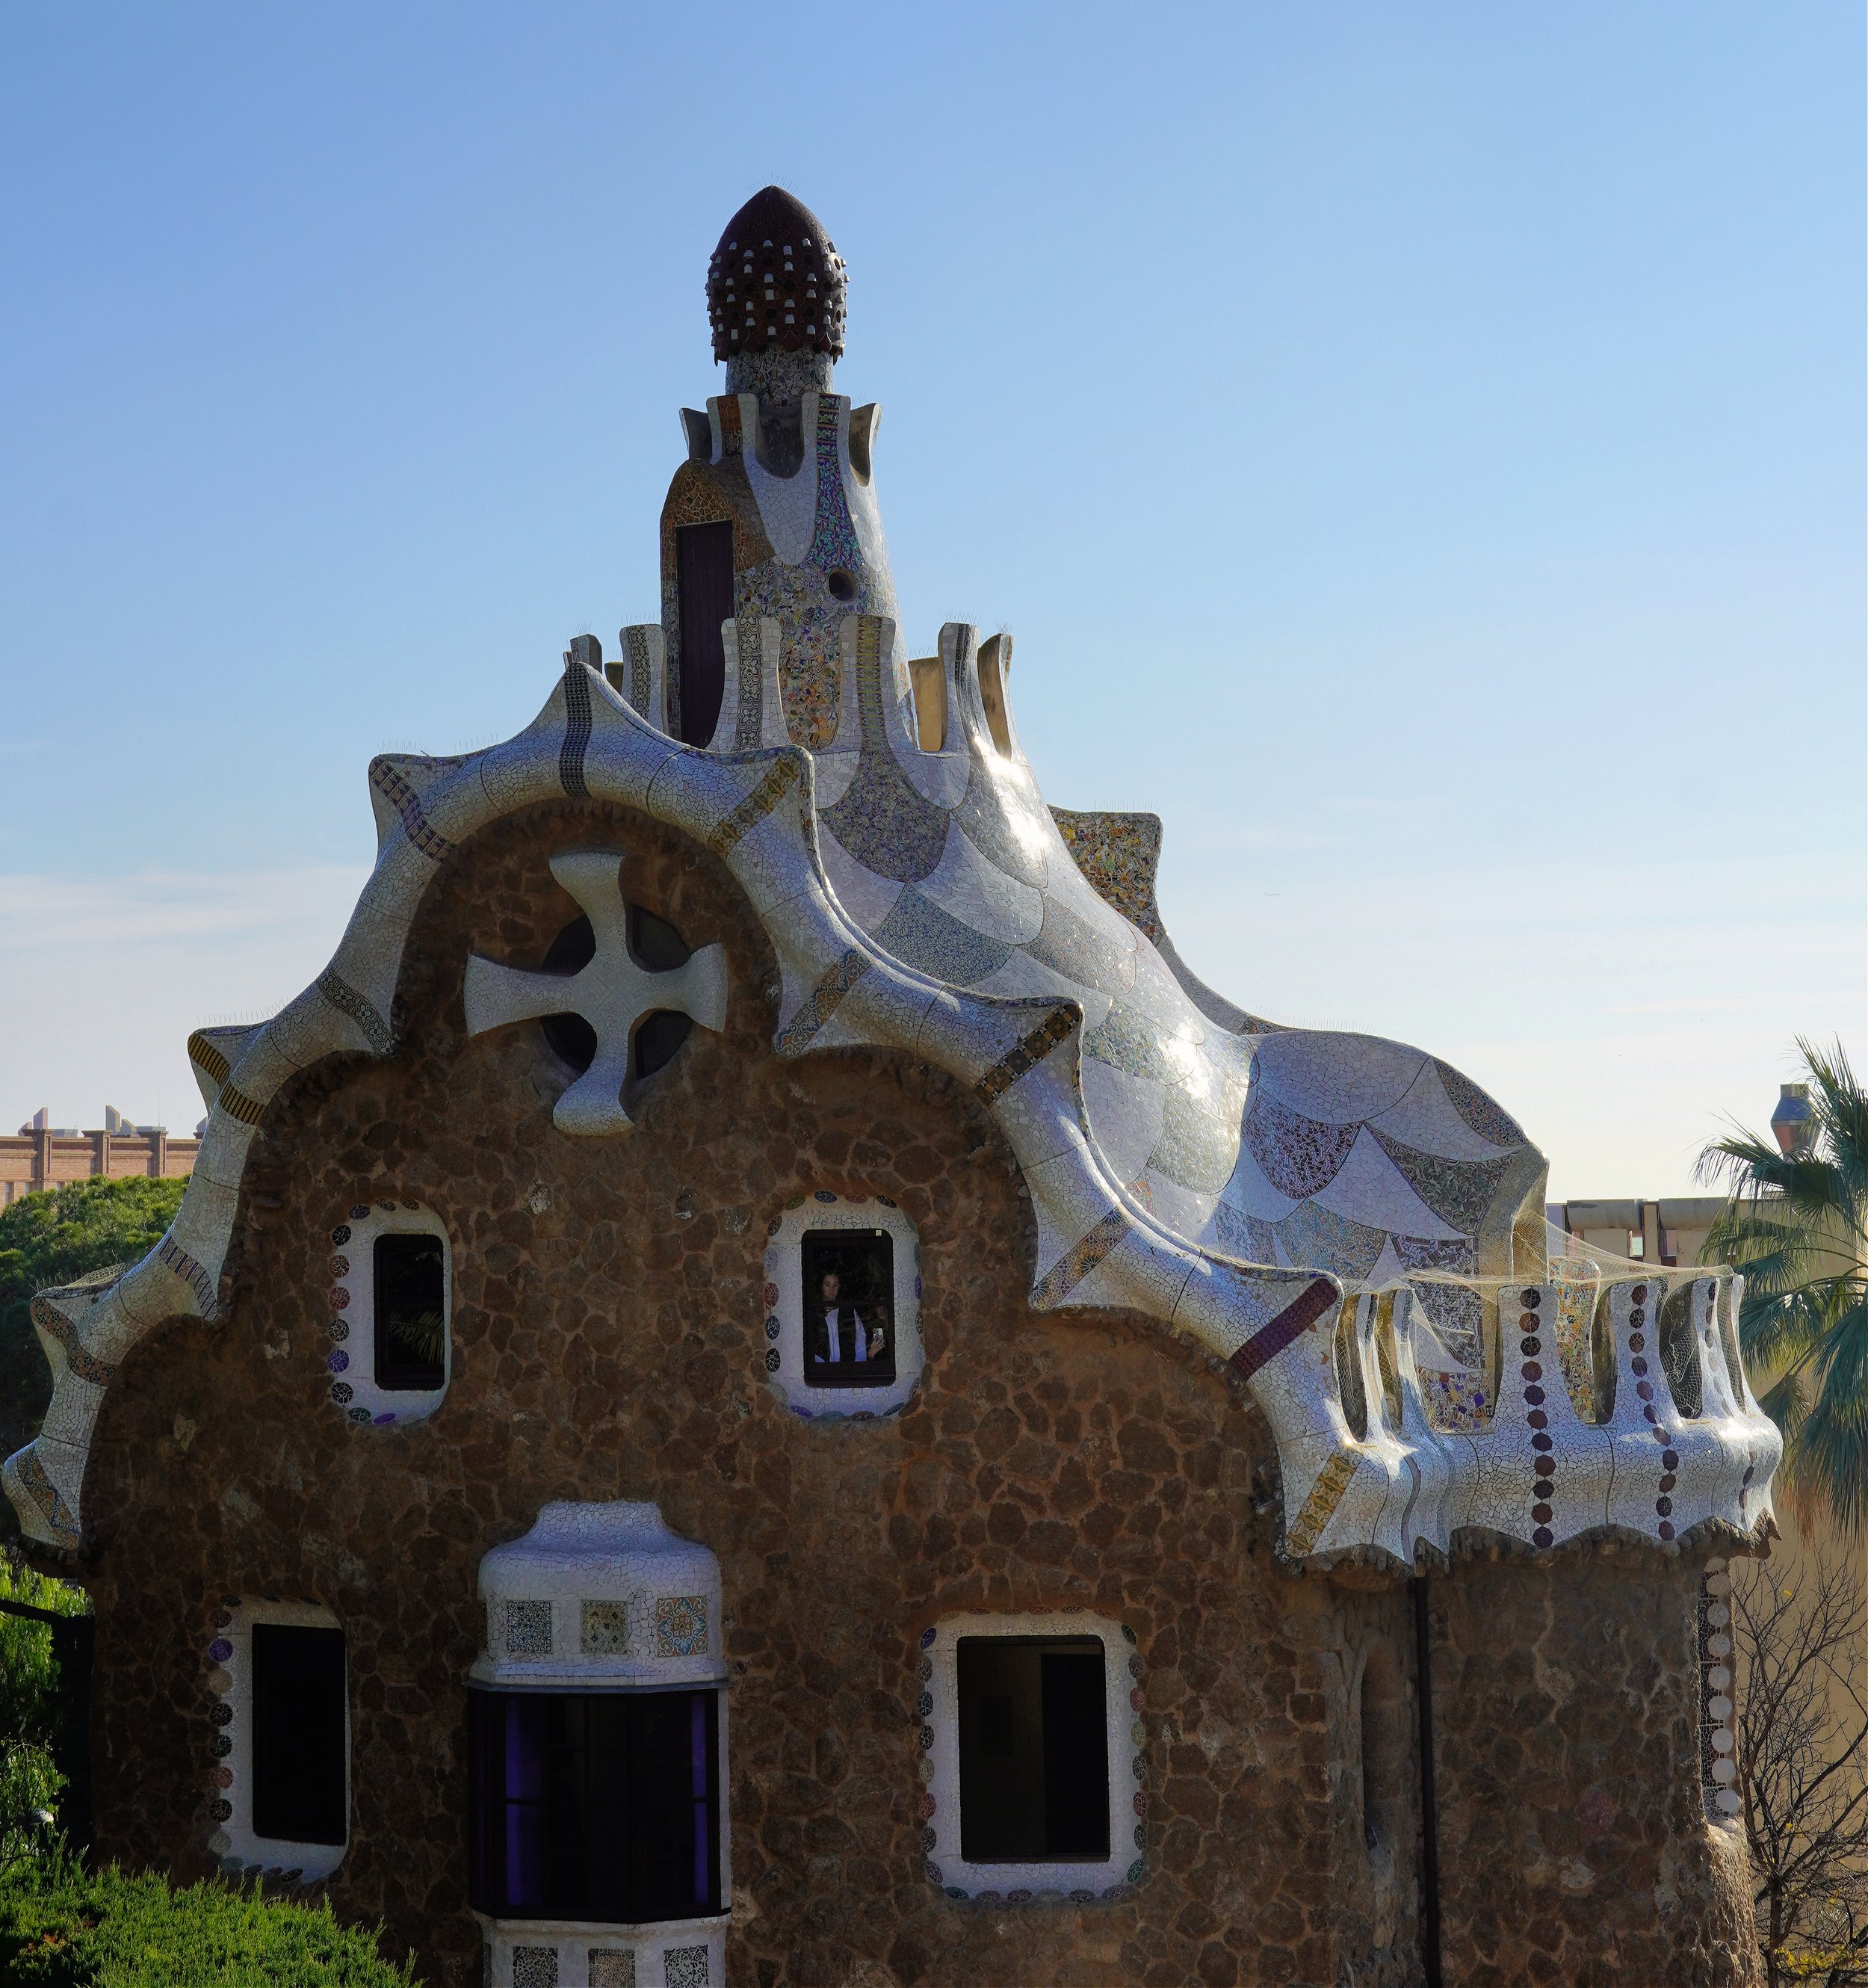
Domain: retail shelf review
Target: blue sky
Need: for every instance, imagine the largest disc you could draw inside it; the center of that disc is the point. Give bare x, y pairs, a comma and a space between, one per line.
1418, 452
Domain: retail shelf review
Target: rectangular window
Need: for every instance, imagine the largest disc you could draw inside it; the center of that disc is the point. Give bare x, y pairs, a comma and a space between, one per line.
1034, 1749
849, 1307
598, 1807
703, 576
410, 1314
300, 1764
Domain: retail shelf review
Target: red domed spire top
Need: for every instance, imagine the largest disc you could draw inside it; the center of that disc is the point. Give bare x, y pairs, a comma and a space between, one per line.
776, 281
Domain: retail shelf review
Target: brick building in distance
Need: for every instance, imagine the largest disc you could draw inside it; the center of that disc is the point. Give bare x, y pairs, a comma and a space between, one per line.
759, 1385
43, 1155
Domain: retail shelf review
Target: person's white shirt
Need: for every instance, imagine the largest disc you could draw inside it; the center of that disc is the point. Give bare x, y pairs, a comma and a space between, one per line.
834, 1327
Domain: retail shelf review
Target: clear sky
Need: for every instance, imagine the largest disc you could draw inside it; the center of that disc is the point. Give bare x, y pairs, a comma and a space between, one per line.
1418, 450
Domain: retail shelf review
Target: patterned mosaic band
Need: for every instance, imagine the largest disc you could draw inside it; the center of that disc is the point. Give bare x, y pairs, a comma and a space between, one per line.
1080, 1259
53, 1322
1325, 1495
753, 809
576, 731
171, 1252
346, 1000
823, 1001
1026, 1054
402, 798
237, 1105
208, 1059
45, 1494
1270, 1340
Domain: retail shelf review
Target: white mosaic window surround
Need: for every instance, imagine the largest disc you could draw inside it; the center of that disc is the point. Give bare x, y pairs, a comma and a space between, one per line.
936, 1705
230, 1683
782, 1344
351, 1326
549, 1953
1717, 1716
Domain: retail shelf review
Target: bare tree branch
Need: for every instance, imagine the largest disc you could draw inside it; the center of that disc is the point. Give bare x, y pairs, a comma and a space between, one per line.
1803, 1768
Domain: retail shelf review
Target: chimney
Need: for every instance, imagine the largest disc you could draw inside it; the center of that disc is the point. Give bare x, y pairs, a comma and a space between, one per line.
1794, 1121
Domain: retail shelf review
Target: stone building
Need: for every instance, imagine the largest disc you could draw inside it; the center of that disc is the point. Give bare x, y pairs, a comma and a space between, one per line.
757, 1385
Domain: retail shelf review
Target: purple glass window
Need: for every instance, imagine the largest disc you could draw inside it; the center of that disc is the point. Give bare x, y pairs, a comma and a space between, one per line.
598, 1807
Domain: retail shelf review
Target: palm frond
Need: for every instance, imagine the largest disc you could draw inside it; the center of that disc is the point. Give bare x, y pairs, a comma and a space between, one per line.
1787, 1220
422, 1333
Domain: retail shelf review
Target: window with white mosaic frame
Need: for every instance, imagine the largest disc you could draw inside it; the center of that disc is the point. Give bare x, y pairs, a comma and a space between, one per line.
279, 1721
843, 1306
1032, 1742
390, 1300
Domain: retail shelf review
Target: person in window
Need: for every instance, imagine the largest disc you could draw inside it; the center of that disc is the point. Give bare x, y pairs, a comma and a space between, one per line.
838, 1333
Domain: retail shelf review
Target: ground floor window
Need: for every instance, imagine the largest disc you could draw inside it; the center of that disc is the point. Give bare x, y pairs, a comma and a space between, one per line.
299, 1769
601, 1808
1034, 1766
279, 1739
1034, 1749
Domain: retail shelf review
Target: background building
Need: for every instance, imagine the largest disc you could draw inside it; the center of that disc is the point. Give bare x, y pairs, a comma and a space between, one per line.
43, 1155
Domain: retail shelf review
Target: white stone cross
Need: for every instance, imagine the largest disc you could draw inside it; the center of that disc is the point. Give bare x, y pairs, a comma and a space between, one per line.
610, 992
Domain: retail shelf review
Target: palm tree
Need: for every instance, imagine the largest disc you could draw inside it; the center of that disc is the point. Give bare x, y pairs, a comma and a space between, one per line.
1796, 1224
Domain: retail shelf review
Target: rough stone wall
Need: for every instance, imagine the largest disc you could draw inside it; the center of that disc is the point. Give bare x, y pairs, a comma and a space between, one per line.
609, 1343
1573, 1837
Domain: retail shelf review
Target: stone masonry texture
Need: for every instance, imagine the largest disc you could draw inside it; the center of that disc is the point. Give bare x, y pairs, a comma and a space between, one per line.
608, 1342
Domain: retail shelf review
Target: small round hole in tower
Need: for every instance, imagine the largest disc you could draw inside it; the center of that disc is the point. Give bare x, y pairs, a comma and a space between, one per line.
842, 586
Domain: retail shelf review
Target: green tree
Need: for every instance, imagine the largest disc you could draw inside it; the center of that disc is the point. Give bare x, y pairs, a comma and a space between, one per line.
30, 1708
1796, 1224
59, 1237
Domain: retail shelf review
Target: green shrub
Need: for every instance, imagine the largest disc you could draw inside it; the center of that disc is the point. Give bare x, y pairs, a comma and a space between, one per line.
56, 1238
30, 1707
61, 1927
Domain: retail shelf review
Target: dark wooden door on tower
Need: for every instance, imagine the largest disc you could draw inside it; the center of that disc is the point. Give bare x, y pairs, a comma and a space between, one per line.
703, 577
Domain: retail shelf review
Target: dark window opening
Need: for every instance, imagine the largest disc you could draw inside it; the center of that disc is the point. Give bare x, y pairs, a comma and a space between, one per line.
600, 1808
660, 948
411, 1315
1034, 1749
571, 1036
703, 579
849, 1308
299, 1795
656, 945
843, 587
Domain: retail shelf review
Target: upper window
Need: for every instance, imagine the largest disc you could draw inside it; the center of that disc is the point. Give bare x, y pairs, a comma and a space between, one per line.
842, 1305
409, 1328
600, 1807
1033, 1765
391, 1277
280, 1728
849, 1302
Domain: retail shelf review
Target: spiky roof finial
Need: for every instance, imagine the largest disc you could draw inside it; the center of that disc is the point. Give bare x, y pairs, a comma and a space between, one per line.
776, 282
